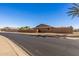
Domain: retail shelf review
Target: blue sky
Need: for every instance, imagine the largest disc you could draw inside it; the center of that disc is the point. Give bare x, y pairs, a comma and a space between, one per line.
30, 14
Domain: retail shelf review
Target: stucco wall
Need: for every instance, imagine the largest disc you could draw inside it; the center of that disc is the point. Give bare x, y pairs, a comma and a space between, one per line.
55, 30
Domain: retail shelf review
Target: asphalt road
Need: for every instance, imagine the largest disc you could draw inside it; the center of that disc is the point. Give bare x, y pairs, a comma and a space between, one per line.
45, 46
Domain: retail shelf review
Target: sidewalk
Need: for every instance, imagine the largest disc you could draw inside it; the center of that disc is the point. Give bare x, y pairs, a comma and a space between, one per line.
8, 48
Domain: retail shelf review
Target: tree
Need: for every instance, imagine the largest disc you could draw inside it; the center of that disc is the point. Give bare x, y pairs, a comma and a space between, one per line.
24, 28
74, 10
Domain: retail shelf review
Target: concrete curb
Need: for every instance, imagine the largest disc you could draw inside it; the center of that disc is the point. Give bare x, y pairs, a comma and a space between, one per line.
19, 51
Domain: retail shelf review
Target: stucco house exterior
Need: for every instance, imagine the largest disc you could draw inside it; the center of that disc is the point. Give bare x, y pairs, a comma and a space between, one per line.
43, 28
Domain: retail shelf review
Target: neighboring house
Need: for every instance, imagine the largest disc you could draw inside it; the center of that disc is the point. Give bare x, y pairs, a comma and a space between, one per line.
9, 29
43, 28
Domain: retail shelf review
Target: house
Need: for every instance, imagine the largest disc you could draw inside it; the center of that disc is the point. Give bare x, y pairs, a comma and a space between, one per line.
9, 29
43, 28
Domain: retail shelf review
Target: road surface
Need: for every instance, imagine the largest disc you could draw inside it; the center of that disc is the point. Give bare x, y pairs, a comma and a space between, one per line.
45, 46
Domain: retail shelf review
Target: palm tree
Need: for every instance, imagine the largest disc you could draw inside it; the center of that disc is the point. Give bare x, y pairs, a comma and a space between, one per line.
74, 10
